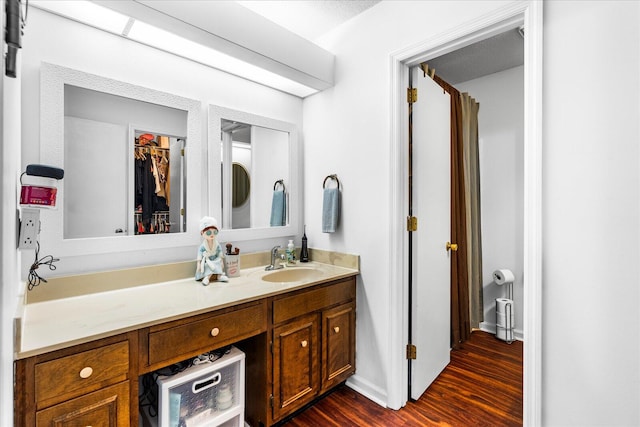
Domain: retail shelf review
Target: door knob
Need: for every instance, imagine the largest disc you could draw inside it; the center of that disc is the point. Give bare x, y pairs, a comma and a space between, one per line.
452, 246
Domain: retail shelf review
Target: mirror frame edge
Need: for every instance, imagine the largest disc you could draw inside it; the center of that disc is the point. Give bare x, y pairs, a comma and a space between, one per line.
52, 80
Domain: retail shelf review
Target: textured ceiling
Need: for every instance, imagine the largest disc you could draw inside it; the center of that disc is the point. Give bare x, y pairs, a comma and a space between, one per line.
309, 18
495, 54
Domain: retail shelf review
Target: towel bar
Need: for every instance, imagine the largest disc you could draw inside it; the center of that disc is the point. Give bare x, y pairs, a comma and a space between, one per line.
332, 176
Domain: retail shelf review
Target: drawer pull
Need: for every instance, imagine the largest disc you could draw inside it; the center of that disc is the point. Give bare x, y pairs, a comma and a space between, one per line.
215, 332
86, 372
336, 329
304, 343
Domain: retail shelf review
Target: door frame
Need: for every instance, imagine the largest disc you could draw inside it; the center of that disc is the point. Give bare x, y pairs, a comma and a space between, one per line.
510, 16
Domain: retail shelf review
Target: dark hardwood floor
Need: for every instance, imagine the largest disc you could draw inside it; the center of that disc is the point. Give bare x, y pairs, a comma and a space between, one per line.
482, 386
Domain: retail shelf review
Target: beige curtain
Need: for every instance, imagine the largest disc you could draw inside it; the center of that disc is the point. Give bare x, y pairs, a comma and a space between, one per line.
471, 174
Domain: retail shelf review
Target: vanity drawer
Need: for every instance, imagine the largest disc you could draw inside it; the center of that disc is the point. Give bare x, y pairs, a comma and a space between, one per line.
313, 300
81, 372
205, 334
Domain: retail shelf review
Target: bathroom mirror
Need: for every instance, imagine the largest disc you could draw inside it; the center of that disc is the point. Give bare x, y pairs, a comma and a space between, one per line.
267, 151
91, 127
121, 179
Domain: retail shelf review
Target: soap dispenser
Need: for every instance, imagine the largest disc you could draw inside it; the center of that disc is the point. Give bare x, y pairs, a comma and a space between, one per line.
291, 252
304, 252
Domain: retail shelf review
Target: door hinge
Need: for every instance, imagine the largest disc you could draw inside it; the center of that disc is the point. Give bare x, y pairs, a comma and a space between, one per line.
182, 152
412, 223
411, 351
271, 400
412, 95
182, 211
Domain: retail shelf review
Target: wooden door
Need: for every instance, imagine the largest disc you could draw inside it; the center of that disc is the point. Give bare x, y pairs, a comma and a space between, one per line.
338, 345
96, 191
296, 378
108, 407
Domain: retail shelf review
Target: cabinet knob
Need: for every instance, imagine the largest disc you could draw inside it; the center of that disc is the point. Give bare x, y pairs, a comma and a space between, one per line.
336, 329
86, 372
215, 332
304, 343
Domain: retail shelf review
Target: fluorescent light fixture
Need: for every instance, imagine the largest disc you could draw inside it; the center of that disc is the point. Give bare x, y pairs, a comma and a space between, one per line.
172, 43
85, 12
103, 18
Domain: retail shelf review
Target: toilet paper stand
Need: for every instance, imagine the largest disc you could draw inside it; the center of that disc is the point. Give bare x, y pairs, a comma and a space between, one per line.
510, 290
508, 322
504, 320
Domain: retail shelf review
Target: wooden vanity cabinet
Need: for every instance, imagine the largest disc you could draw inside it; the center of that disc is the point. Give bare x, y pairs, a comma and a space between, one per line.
298, 345
313, 343
88, 384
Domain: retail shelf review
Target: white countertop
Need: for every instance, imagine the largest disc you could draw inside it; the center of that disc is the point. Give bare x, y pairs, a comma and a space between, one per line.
52, 325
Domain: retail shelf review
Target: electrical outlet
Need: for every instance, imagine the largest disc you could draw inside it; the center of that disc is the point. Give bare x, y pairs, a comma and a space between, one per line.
29, 229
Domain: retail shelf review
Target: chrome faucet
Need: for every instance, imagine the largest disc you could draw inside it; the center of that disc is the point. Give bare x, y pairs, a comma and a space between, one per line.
274, 255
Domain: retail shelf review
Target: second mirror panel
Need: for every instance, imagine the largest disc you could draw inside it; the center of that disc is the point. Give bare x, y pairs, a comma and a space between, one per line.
254, 158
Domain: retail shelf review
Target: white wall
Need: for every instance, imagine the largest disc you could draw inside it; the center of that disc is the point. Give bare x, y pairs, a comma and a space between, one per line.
80, 47
347, 132
591, 327
590, 370
501, 143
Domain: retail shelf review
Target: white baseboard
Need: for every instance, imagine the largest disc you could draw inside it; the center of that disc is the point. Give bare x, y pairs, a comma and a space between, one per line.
490, 328
368, 390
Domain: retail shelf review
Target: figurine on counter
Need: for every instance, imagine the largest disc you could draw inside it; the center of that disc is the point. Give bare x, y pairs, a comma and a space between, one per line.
209, 265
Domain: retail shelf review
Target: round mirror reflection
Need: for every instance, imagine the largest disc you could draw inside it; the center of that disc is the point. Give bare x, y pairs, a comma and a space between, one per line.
241, 185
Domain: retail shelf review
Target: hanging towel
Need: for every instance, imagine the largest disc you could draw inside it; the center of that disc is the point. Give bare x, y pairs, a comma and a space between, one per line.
278, 209
330, 209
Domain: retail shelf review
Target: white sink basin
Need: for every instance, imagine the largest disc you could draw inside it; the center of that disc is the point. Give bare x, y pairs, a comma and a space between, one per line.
296, 274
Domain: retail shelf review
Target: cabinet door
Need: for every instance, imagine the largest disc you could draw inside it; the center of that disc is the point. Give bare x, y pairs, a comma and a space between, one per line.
338, 345
108, 407
296, 379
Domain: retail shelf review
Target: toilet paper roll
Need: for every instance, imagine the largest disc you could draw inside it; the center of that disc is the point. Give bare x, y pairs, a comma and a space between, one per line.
503, 276
504, 334
505, 321
501, 304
